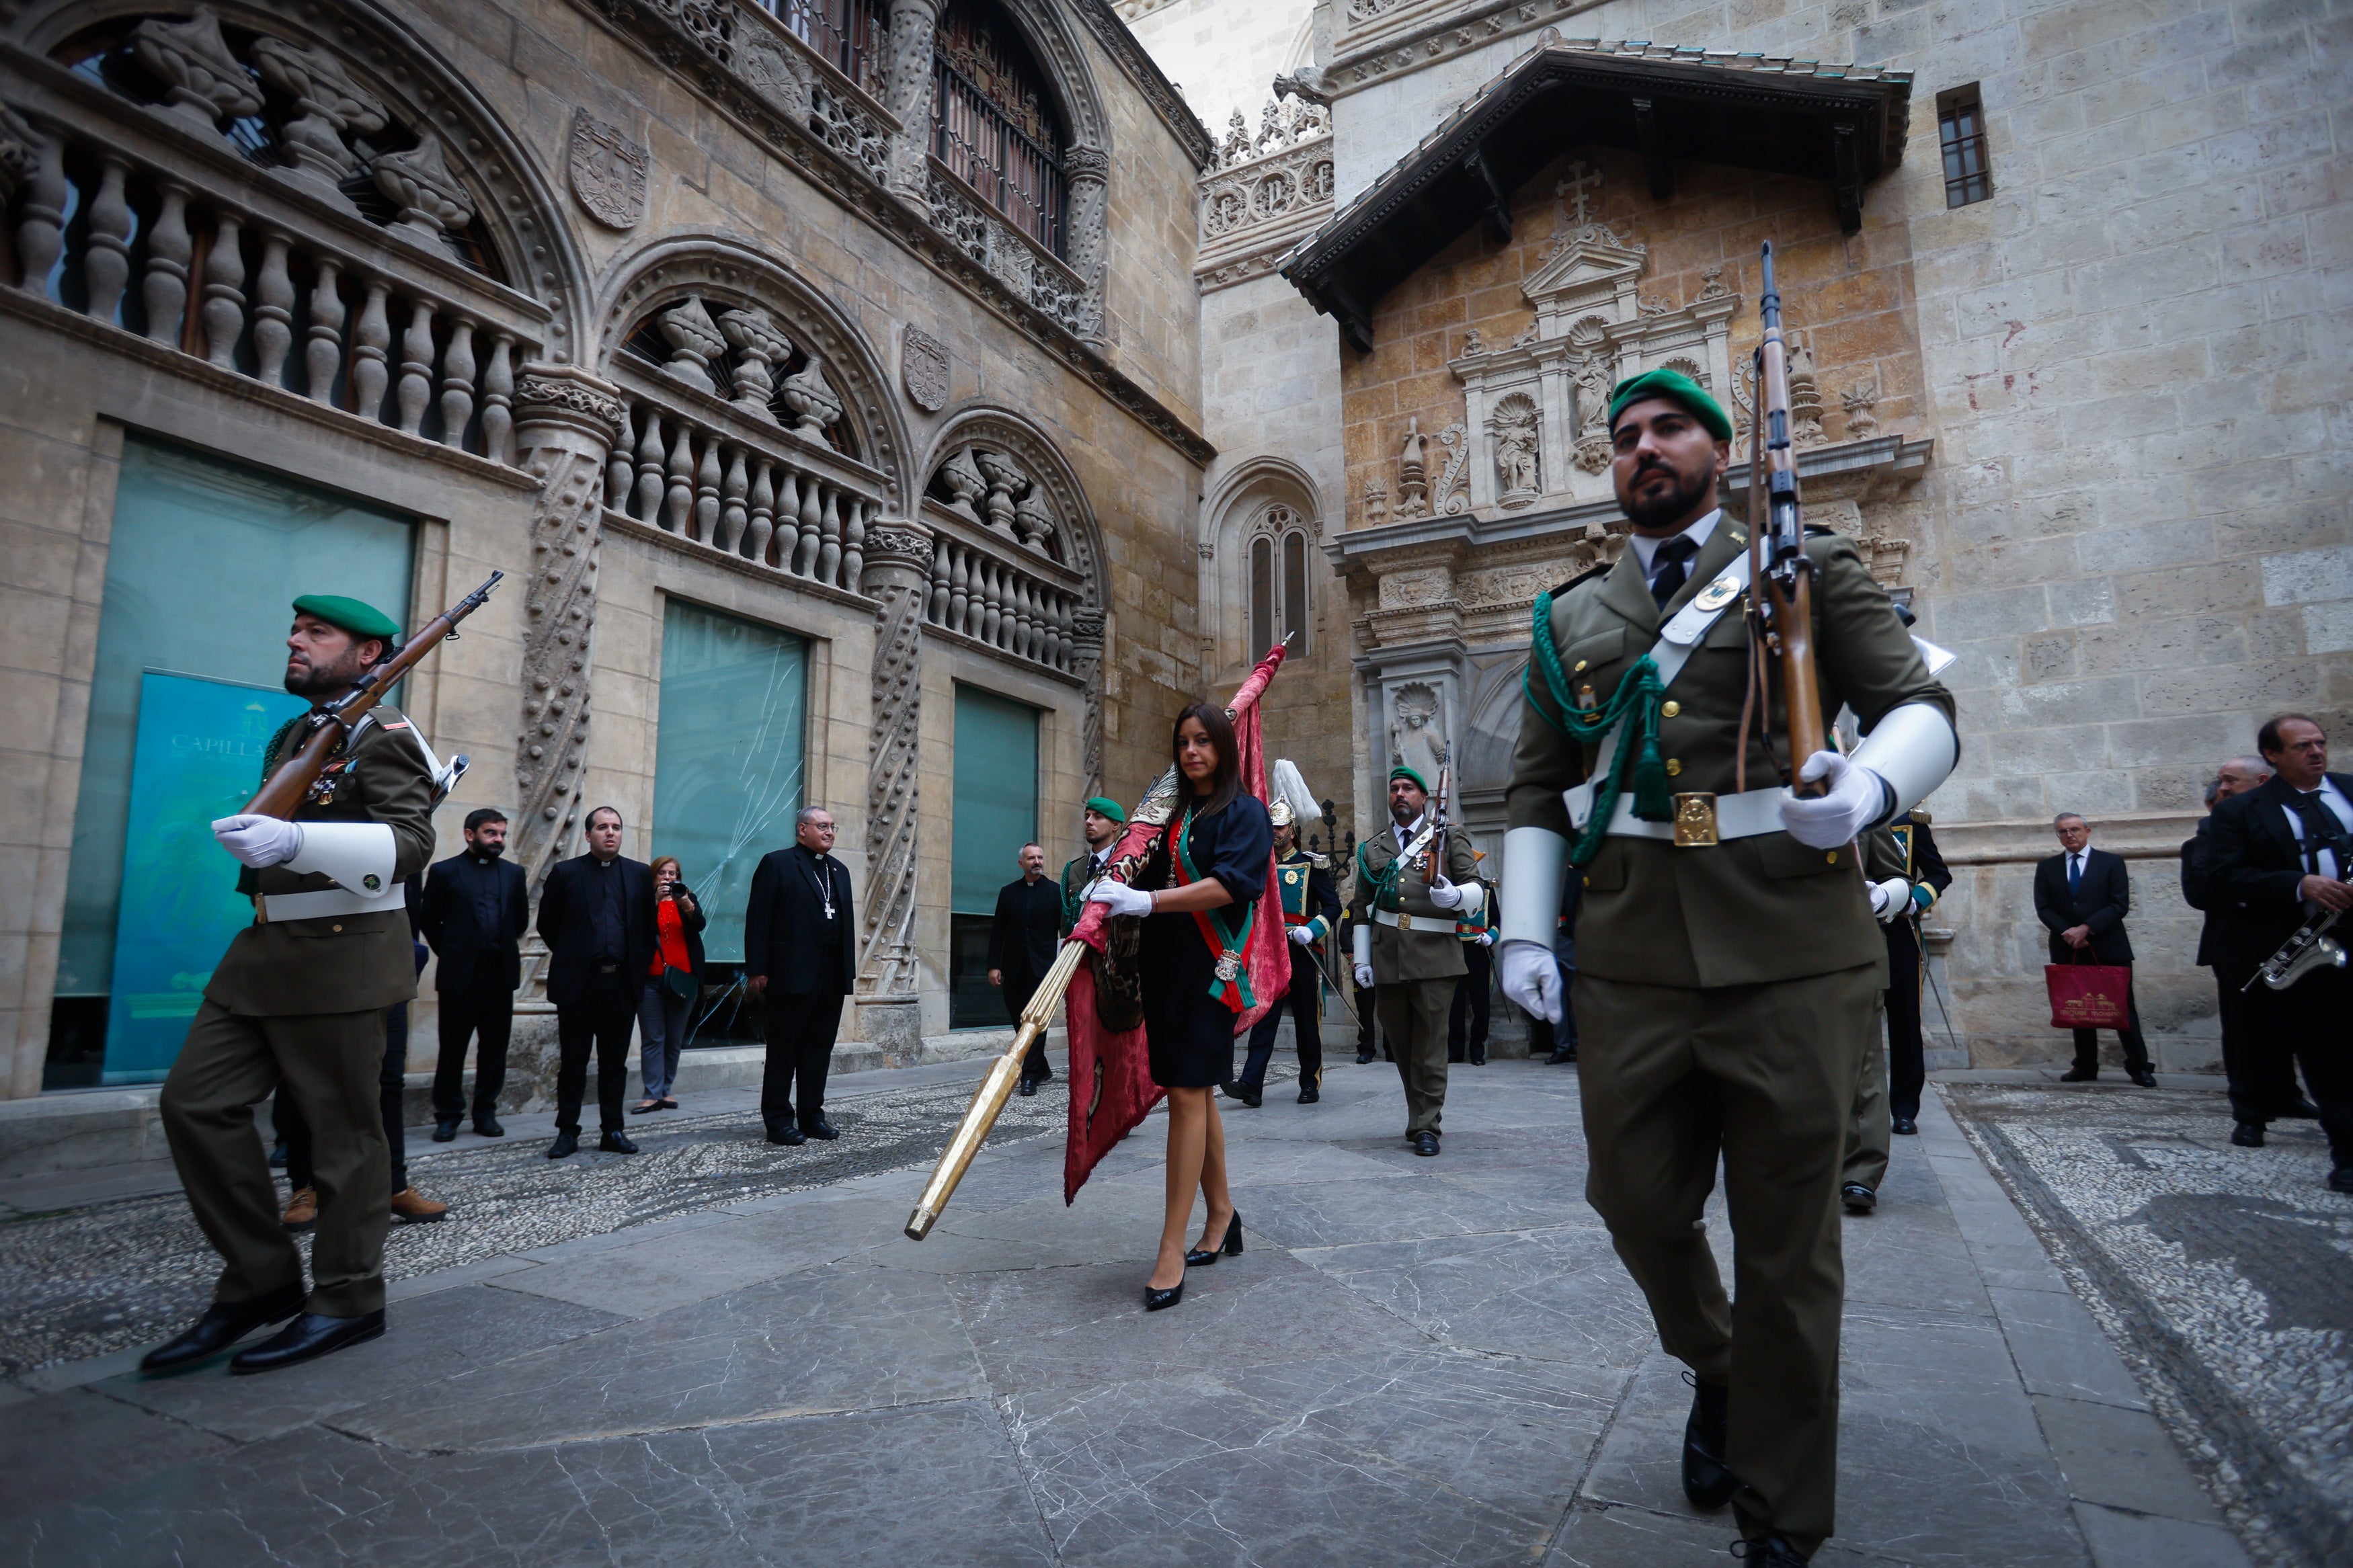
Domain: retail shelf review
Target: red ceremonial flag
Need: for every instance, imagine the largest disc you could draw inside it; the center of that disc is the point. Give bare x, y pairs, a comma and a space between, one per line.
1111, 1080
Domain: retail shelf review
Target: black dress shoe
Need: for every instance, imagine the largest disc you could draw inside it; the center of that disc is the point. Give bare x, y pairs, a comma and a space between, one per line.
1363, 1057
2248, 1135
1197, 1259
615, 1141
1309, 1096
820, 1128
1565, 1057
1708, 1481
446, 1130
2297, 1109
488, 1127
223, 1324
1454, 1059
1159, 1301
1238, 1090
1026, 1088
1858, 1198
566, 1145
1480, 1060
1768, 1552
1904, 1124
2143, 1077
2079, 1075
307, 1338
1425, 1143
784, 1133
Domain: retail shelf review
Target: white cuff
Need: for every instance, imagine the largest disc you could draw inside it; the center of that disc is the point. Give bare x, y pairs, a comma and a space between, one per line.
1364, 939
1534, 861
1914, 748
357, 855
1475, 899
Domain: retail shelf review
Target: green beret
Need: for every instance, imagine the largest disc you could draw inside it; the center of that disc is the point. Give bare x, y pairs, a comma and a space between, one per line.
1675, 386
1103, 806
360, 620
1402, 772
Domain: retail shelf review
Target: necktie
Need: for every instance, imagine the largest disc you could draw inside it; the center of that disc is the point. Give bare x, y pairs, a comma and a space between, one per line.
1669, 568
2322, 830
2074, 874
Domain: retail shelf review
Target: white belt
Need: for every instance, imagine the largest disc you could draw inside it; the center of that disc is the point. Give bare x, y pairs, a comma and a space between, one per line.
1742, 816
331, 901
1404, 921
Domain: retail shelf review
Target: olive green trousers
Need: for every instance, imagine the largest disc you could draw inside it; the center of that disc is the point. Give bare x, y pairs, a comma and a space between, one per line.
330, 1063
1413, 1015
1870, 1135
1763, 1079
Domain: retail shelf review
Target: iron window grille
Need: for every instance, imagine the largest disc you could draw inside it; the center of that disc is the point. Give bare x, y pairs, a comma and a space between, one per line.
992, 126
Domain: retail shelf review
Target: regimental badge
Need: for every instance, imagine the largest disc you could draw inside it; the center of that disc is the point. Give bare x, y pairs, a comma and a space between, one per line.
1229, 963
1718, 593
372, 882
1695, 820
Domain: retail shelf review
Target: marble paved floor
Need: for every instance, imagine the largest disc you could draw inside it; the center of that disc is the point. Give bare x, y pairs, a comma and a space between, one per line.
1416, 1362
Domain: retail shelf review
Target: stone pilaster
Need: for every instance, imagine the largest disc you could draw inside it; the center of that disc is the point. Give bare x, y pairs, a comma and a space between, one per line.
897, 575
565, 423
908, 88
1086, 663
1089, 169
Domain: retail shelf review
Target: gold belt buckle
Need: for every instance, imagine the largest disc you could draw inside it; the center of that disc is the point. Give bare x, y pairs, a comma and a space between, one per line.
1695, 820
1405, 921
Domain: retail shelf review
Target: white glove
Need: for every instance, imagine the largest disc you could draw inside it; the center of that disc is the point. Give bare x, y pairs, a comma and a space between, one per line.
1531, 979
258, 841
1363, 977
1486, 938
1891, 900
1857, 797
1303, 936
1120, 900
1445, 894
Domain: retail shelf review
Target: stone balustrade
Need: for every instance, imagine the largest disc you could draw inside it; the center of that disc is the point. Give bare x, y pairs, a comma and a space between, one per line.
978, 594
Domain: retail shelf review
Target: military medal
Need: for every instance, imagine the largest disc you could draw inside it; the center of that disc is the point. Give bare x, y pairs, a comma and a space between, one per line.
1718, 593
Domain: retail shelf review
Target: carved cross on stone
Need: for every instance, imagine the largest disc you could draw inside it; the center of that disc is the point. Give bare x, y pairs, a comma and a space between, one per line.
1574, 191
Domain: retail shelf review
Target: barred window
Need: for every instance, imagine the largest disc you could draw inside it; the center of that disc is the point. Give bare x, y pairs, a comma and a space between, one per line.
1960, 122
1278, 582
994, 121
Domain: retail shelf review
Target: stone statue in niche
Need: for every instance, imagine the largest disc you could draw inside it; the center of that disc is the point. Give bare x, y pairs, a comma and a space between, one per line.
1413, 474
1595, 375
1418, 731
1518, 469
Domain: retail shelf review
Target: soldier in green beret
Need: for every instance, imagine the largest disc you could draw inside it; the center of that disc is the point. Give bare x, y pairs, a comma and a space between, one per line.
1406, 949
299, 1003
1728, 962
1104, 819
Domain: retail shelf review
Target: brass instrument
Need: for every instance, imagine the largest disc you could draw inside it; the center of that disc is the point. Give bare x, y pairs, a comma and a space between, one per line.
2309, 949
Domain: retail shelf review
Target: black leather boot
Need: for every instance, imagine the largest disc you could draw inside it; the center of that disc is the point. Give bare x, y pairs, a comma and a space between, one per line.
1708, 1481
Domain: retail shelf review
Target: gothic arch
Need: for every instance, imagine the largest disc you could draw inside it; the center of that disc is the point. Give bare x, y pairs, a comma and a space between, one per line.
1050, 42
1042, 461
1234, 506
723, 268
524, 215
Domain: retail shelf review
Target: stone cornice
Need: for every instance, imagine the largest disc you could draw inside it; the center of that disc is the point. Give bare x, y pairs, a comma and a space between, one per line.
851, 185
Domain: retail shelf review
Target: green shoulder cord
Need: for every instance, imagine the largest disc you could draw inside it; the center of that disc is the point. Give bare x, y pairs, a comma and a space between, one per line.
277, 743
1379, 881
1638, 693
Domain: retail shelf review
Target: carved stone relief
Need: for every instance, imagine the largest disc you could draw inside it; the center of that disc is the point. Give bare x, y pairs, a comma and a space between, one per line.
896, 575
1418, 731
923, 368
608, 170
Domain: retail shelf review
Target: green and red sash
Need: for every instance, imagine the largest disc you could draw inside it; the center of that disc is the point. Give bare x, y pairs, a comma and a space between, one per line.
1230, 984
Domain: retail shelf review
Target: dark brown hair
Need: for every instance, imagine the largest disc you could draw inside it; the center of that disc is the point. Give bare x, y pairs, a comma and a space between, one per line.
2267, 738
1226, 782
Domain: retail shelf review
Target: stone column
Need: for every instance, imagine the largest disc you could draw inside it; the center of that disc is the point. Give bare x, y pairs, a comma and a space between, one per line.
1086, 663
1089, 169
897, 574
565, 423
908, 88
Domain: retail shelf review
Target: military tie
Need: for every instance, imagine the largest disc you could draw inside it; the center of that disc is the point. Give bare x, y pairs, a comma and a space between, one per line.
1672, 572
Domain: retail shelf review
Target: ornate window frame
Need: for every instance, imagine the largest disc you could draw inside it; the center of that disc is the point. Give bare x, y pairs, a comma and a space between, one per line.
1244, 506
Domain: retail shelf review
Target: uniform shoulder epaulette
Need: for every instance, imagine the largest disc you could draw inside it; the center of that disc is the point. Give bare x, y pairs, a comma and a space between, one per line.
1585, 576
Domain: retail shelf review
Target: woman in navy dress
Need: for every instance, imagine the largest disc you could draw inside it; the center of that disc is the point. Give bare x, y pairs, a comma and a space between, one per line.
1198, 892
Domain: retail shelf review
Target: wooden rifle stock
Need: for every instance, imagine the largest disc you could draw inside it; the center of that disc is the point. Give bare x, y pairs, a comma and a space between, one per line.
290, 782
1787, 584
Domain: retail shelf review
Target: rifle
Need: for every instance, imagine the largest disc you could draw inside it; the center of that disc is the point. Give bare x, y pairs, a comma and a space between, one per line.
1777, 559
327, 728
1427, 853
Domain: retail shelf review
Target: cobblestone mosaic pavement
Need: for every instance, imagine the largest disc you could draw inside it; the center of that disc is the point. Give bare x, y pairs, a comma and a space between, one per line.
2224, 1275
103, 1277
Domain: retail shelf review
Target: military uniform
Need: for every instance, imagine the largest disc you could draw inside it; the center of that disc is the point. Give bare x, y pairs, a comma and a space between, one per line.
1724, 990
299, 1000
1416, 959
1869, 1133
1309, 900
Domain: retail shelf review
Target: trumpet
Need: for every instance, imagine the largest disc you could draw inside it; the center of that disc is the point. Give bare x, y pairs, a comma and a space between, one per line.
2309, 949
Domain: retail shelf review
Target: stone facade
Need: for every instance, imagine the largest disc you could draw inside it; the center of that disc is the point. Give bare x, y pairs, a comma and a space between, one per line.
659, 305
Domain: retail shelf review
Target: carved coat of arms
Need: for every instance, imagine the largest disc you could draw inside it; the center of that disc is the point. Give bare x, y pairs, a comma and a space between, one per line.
609, 172
923, 366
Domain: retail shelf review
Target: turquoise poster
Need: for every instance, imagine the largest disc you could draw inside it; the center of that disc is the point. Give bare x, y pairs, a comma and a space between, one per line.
197, 756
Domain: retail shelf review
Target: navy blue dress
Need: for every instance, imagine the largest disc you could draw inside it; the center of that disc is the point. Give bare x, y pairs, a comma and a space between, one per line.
1190, 1033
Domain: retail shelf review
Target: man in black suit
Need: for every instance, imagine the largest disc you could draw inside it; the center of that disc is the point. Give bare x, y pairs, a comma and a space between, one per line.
2276, 855
799, 952
1907, 1069
2083, 894
2260, 1071
1022, 939
597, 918
473, 915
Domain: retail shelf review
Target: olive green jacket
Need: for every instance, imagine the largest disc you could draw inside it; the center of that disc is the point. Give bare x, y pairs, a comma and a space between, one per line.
341, 963
1748, 911
1422, 953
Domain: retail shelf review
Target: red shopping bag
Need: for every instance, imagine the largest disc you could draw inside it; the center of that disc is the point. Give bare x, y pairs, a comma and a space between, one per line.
2089, 996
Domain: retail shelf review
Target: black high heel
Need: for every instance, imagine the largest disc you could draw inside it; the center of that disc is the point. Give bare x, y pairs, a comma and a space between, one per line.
1233, 1244
1155, 1300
